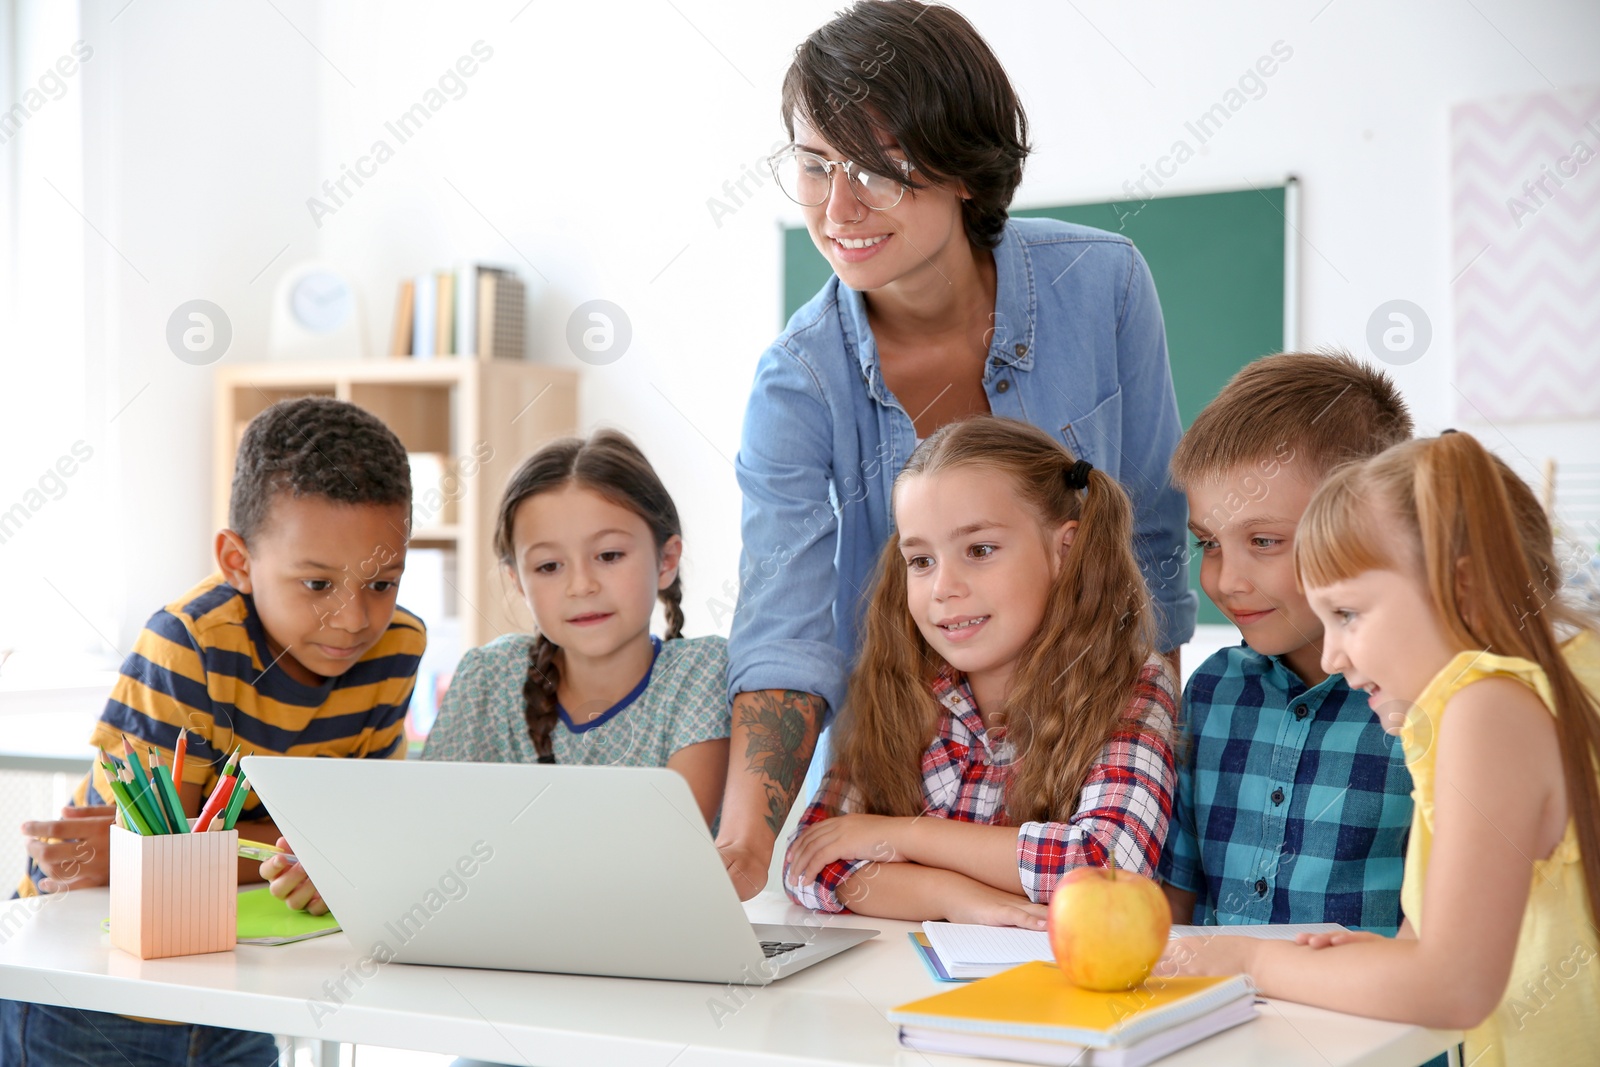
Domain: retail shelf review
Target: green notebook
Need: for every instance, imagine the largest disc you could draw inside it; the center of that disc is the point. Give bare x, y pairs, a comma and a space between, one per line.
266, 920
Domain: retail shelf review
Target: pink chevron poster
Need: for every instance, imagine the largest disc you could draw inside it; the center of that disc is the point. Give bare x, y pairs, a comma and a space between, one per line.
1525, 177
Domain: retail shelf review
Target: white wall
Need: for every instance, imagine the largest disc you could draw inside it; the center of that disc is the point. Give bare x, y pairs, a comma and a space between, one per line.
591, 140
200, 130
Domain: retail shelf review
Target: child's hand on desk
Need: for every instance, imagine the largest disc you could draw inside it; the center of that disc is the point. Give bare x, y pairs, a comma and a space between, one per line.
1344, 937
985, 905
289, 883
74, 852
843, 837
1213, 954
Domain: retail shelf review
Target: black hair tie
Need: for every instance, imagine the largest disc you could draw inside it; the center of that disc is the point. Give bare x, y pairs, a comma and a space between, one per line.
1445, 431
1078, 474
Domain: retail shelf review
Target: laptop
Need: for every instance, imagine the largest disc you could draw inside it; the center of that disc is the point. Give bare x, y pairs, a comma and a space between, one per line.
527, 867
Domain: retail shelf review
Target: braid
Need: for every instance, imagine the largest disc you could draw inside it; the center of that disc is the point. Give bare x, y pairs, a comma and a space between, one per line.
539, 696
672, 601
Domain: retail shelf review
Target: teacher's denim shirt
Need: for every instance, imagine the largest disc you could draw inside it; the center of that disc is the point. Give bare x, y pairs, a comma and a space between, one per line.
1078, 349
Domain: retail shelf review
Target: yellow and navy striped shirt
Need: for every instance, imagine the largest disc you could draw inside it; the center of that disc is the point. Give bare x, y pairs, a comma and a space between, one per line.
201, 664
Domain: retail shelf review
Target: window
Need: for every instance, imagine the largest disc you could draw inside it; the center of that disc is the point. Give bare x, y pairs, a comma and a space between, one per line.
55, 594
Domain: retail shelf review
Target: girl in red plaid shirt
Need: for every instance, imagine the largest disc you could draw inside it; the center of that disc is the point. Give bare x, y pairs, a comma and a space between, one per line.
1007, 719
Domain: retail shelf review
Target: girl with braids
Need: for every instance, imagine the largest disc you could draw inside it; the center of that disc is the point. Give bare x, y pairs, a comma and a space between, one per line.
1008, 718
1433, 570
591, 539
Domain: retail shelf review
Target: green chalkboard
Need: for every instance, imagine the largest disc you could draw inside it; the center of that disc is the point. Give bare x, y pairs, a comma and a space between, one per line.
1218, 263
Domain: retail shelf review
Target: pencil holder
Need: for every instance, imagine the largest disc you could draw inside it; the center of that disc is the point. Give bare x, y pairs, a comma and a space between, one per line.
174, 894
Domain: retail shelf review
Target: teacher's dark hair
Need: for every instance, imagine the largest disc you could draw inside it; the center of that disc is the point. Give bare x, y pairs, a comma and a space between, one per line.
923, 75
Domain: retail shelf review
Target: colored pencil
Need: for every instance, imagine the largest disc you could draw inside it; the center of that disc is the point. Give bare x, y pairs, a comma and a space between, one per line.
134, 761
177, 758
122, 818
132, 817
144, 798
160, 793
219, 796
169, 792
236, 805
143, 793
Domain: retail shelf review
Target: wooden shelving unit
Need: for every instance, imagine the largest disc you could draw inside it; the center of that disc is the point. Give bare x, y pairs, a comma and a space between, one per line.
459, 407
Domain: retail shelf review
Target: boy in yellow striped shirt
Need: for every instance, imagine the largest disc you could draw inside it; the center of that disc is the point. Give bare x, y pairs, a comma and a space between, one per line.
295, 648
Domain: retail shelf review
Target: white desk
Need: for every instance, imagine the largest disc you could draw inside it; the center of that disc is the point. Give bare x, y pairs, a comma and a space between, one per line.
54, 951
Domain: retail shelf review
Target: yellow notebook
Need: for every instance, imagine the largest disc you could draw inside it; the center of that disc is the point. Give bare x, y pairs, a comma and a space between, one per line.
1035, 1001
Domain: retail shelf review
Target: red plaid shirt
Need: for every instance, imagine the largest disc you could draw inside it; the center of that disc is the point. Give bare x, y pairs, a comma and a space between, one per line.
1124, 805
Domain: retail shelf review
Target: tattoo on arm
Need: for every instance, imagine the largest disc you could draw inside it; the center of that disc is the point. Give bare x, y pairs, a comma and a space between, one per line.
781, 734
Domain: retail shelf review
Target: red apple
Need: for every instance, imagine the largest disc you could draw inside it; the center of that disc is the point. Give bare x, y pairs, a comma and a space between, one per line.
1108, 927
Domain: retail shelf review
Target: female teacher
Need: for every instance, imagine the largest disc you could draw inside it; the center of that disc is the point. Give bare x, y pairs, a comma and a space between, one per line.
908, 142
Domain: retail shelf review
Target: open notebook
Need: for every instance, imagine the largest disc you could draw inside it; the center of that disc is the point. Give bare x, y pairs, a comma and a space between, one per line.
964, 951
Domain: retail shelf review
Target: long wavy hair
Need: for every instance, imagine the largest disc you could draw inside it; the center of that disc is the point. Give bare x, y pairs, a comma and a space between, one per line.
610, 464
1074, 677
1462, 512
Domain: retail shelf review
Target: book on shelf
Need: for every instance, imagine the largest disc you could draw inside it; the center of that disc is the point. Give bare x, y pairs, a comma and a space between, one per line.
473, 310
404, 309
466, 309
423, 322
964, 951
1033, 1014
444, 332
501, 327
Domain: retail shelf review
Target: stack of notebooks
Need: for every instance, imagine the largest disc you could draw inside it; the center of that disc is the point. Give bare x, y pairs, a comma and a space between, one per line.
473, 310
1016, 1004
1032, 1014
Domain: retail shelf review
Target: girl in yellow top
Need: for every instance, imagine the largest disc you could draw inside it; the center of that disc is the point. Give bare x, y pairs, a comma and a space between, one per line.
1433, 571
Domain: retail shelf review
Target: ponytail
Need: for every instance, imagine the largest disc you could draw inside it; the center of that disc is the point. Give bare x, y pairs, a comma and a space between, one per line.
1474, 531
1489, 598
1073, 681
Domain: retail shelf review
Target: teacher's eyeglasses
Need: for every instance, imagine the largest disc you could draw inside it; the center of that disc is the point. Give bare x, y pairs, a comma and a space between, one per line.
807, 179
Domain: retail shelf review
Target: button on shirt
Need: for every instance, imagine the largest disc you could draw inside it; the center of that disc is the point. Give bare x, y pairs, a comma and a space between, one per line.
1293, 804
1078, 348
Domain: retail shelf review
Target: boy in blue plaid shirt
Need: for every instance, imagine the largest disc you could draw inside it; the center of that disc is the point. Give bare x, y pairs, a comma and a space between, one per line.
1293, 802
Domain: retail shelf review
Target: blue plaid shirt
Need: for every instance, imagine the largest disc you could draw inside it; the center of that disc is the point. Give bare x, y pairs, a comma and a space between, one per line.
1293, 804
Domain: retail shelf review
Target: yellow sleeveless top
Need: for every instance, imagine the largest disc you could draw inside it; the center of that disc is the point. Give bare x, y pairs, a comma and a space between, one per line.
1551, 1010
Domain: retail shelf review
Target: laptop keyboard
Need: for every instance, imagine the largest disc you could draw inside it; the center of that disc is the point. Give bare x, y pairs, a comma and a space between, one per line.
770, 949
